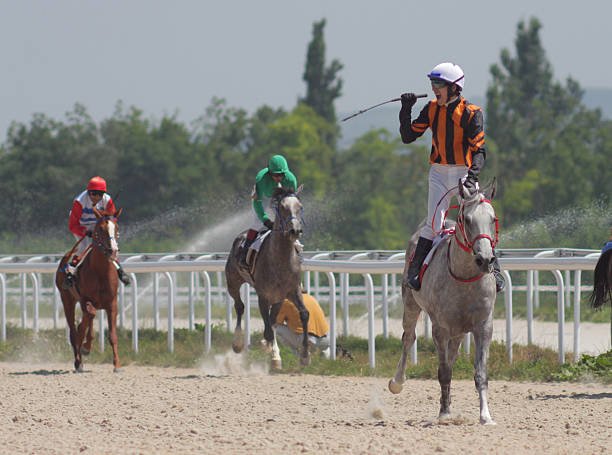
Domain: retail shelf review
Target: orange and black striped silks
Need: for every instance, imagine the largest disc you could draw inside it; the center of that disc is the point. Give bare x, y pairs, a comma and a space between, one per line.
457, 131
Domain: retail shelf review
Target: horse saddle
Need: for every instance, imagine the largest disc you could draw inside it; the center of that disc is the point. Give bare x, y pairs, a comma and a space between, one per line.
251, 257
437, 240
76, 261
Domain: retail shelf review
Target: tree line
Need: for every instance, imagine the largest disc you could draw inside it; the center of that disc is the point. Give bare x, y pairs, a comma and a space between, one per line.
547, 150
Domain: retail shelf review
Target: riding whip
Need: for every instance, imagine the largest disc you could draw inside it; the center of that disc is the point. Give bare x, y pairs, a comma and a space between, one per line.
379, 104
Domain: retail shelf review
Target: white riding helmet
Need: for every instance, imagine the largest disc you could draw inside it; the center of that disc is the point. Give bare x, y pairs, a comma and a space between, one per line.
448, 72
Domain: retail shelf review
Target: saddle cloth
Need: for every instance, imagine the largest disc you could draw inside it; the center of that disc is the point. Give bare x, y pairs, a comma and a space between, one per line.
251, 257
437, 240
255, 246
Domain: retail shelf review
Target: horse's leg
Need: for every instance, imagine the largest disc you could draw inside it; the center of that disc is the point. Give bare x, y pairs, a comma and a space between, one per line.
482, 340
411, 316
299, 304
89, 335
112, 334
269, 338
86, 320
69, 304
277, 362
447, 353
233, 289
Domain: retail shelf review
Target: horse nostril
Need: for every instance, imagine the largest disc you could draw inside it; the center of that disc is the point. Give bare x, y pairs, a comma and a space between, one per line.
479, 262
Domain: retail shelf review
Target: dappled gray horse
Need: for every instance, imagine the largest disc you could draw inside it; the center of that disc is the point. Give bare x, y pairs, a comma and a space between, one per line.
458, 294
277, 273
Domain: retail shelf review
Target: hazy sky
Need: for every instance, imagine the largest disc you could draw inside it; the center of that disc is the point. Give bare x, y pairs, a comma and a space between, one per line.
167, 56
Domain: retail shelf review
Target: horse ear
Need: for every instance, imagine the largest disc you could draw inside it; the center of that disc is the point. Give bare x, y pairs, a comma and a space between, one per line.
118, 212
97, 213
490, 189
299, 189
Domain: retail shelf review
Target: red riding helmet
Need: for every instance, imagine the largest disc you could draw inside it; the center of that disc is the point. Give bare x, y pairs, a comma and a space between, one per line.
96, 183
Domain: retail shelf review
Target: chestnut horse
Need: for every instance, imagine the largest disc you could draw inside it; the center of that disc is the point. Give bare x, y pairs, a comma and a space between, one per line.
95, 287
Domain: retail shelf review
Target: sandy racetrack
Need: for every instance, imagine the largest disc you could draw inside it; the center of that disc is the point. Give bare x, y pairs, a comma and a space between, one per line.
222, 409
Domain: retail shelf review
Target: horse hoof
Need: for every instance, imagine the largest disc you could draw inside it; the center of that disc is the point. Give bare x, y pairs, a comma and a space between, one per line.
487, 422
444, 417
395, 387
78, 369
84, 351
117, 370
276, 364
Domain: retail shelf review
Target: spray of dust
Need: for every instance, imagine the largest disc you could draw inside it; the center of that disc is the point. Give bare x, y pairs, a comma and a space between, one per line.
232, 364
376, 406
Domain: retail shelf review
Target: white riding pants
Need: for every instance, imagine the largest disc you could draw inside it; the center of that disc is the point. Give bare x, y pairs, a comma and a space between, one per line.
83, 245
443, 180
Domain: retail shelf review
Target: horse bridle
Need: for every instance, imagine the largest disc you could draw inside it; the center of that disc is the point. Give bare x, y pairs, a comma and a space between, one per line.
97, 241
285, 221
468, 246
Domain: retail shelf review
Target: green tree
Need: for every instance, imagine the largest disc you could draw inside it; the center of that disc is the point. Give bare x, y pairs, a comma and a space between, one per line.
45, 164
380, 189
550, 146
323, 85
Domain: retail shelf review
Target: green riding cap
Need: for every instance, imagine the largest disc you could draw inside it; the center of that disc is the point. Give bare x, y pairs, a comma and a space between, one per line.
278, 165
265, 184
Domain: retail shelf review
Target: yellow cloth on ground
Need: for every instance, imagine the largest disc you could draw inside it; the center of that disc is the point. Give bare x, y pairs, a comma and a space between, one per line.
317, 324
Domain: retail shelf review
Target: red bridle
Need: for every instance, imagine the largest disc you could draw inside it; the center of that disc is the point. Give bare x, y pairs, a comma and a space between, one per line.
468, 246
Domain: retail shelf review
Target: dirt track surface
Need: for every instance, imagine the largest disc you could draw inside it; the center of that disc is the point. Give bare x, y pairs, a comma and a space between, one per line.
220, 408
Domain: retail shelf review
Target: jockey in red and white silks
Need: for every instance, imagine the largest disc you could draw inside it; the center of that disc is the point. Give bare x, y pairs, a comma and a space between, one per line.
82, 222
82, 218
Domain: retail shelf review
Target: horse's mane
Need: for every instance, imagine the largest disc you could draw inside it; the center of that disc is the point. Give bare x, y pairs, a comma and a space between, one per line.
282, 192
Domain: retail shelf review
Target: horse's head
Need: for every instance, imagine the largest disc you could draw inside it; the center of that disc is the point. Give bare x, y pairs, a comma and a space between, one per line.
106, 233
477, 226
288, 219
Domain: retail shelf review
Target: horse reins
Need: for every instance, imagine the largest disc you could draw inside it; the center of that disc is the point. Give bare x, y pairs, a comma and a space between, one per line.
96, 241
285, 221
468, 246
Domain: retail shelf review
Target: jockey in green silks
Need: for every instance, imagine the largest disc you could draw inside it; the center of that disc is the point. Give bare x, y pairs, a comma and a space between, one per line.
276, 175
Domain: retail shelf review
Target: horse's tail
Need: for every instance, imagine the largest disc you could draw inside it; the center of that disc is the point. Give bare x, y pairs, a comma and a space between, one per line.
602, 281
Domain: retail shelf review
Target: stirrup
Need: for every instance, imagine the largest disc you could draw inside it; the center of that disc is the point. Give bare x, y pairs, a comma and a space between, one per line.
68, 281
125, 279
500, 282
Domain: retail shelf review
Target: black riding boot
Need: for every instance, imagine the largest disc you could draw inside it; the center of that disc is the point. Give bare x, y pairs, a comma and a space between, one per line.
244, 251
124, 277
70, 271
500, 281
420, 253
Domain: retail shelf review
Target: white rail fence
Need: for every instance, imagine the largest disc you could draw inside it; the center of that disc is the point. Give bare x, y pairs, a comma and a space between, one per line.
195, 279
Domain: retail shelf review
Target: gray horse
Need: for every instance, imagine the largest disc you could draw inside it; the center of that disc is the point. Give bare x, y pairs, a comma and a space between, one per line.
276, 276
458, 294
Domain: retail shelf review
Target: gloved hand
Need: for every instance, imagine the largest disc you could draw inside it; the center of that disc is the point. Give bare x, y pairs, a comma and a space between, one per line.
269, 224
408, 100
471, 182
89, 233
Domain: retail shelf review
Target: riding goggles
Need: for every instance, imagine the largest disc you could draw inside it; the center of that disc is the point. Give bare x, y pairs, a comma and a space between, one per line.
95, 193
438, 83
